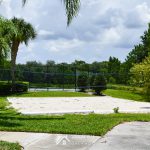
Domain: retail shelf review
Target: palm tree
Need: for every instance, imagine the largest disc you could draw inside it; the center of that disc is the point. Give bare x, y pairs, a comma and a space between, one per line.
71, 6
25, 33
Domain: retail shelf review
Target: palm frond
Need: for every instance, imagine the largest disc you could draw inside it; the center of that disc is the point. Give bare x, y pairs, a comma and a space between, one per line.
23, 2
25, 31
72, 8
4, 49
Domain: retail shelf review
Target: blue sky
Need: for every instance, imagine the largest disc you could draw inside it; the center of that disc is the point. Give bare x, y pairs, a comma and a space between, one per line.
102, 29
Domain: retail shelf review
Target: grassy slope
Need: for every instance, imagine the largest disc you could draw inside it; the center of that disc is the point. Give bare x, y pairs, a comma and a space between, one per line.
124, 94
9, 146
53, 94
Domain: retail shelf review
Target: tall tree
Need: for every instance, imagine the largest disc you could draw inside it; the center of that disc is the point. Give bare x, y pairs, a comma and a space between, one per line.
140, 51
138, 54
25, 33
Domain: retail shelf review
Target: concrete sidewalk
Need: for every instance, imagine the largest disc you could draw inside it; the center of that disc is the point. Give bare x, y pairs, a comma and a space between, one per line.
127, 136
42, 141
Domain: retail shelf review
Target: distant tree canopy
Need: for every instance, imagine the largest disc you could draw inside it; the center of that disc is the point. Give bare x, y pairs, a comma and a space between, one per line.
115, 71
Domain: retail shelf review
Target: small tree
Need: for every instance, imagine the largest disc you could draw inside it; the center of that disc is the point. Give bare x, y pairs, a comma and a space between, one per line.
141, 73
82, 82
141, 76
99, 84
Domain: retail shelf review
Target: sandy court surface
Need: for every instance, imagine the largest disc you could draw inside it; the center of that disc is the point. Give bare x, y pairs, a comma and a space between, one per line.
100, 105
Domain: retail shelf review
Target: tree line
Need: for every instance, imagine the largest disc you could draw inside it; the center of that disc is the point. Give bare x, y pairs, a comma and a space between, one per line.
134, 70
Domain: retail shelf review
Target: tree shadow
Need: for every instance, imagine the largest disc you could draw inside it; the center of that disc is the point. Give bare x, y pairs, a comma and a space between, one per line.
8, 123
13, 94
24, 117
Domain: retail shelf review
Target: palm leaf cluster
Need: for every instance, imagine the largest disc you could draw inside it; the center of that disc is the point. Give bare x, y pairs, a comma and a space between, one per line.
25, 31
71, 7
6, 31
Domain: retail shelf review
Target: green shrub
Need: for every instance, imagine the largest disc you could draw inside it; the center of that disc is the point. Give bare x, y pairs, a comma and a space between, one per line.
6, 87
112, 80
82, 82
116, 110
22, 87
147, 92
99, 84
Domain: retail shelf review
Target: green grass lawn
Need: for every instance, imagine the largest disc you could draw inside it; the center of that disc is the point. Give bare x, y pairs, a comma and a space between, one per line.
124, 94
134, 89
92, 124
67, 124
9, 146
52, 94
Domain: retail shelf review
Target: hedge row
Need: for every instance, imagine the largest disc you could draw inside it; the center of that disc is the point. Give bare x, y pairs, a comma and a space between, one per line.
6, 87
137, 90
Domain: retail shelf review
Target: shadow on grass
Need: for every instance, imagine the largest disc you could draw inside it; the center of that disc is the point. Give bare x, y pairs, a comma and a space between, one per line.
8, 123
14, 94
10, 116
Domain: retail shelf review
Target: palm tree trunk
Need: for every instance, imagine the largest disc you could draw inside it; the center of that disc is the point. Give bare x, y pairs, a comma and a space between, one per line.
14, 50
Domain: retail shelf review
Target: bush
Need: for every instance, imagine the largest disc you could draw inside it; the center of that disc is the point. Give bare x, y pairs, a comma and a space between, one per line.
141, 73
22, 87
112, 80
147, 92
99, 84
82, 82
6, 87
116, 110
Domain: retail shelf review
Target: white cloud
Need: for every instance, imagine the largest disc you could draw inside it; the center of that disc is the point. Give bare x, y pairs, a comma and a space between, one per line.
143, 11
45, 33
103, 28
